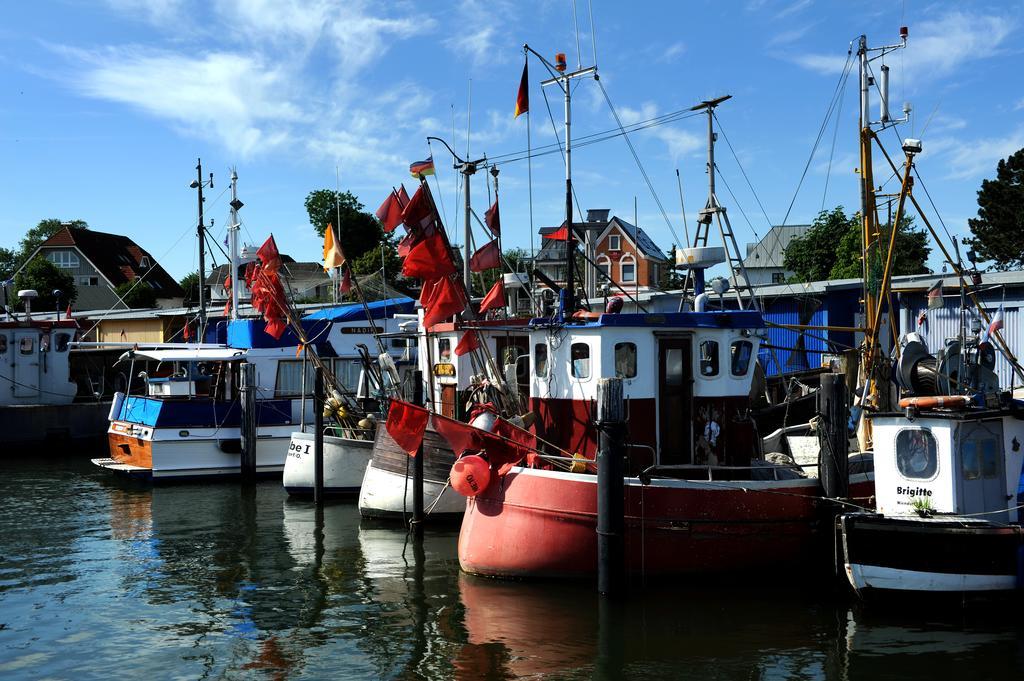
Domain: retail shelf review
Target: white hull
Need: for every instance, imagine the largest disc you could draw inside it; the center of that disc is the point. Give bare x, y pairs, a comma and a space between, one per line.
345, 464
199, 454
387, 495
893, 579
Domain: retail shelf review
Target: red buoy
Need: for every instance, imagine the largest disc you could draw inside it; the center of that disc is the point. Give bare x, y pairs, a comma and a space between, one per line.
470, 475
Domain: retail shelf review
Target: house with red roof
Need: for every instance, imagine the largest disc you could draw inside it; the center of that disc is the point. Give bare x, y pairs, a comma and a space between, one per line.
100, 262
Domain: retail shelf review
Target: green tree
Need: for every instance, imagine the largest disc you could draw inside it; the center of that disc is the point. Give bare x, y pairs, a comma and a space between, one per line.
136, 294
831, 249
999, 227
44, 277
670, 279
358, 231
812, 256
189, 280
9, 261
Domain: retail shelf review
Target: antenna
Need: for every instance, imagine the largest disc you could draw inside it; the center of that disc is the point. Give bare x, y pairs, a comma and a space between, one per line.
883, 100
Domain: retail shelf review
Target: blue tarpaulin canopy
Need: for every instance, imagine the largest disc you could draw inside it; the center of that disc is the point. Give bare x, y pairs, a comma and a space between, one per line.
379, 309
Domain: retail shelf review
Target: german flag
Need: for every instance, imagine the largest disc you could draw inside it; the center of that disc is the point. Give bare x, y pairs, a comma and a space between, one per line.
523, 98
422, 168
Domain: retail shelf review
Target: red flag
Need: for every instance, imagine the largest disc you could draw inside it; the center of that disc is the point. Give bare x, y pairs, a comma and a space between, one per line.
492, 220
67, 312
250, 274
428, 259
186, 332
269, 256
405, 244
418, 213
470, 341
227, 283
346, 280
487, 257
462, 437
275, 328
444, 299
390, 212
403, 196
227, 308
495, 298
560, 234
523, 96
406, 424
511, 454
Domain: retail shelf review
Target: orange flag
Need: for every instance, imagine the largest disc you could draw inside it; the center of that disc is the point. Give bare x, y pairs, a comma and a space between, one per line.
333, 255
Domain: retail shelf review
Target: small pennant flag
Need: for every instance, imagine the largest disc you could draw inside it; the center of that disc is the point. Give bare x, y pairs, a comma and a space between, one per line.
523, 97
995, 325
470, 341
935, 296
67, 312
422, 168
495, 298
333, 255
492, 219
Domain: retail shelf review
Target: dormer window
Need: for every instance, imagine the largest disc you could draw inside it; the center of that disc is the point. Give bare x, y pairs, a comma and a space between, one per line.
614, 242
67, 260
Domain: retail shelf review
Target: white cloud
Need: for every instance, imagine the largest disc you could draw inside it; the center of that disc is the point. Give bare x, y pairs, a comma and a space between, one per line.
473, 33
672, 52
971, 159
937, 47
154, 11
793, 8
790, 36
677, 142
238, 99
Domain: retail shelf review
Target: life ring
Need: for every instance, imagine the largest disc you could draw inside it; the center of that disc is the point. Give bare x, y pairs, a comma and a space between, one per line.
936, 402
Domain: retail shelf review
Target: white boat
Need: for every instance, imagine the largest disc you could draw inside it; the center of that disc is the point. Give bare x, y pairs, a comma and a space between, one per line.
345, 461
187, 424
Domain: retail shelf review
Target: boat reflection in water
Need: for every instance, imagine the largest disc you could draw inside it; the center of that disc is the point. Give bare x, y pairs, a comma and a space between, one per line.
225, 581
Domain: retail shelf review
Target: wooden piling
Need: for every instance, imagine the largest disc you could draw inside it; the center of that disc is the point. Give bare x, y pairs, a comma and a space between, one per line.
417, 462
833, 461
611, 520
319, 400
249, 422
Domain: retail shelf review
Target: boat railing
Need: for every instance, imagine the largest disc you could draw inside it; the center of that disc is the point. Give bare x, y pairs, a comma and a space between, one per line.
652, 471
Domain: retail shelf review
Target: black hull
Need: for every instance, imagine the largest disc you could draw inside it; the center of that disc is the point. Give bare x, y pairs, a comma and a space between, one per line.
930, 554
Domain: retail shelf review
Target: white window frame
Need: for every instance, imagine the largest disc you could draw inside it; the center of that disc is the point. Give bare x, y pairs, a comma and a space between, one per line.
66, 260
604, 261
614, 242
627, 260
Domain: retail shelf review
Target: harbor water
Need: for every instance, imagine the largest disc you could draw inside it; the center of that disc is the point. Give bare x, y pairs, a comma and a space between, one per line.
105, 579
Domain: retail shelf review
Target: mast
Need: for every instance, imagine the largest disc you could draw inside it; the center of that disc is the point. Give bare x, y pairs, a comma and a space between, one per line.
467, 170
564, 81
875, 368
233, 242
200, 233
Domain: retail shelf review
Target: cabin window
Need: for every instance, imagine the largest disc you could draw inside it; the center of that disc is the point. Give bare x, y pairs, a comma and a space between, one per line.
540, 360
44, 344
347, 372
709, 358
289, 378
444, 350
673, 366
28, 346
916, 454
625, 360
63, 340
580, 360
741, 353
978, 458
3, 345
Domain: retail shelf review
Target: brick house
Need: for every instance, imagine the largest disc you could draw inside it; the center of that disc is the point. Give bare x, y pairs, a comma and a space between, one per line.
623, 251
100, 262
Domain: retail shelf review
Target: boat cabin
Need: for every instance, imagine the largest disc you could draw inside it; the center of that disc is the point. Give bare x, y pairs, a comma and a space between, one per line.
34, 362
960, 462
686, 381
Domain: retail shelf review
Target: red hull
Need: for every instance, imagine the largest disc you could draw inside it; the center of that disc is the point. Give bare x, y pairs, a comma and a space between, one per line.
543, 524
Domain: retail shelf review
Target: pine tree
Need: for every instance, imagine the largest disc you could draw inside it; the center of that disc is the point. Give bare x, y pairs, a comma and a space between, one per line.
999, 228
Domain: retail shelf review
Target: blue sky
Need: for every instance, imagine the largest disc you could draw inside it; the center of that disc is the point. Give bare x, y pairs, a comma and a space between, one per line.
105, 106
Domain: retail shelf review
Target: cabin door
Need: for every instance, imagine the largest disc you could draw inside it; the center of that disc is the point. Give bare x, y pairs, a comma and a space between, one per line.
449, 399
982, 482
511, 350
675, 401
26, 363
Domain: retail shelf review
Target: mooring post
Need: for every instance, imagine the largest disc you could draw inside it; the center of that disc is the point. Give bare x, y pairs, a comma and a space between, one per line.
248, 422
417, 462
611, 520
318, 437
833, 460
